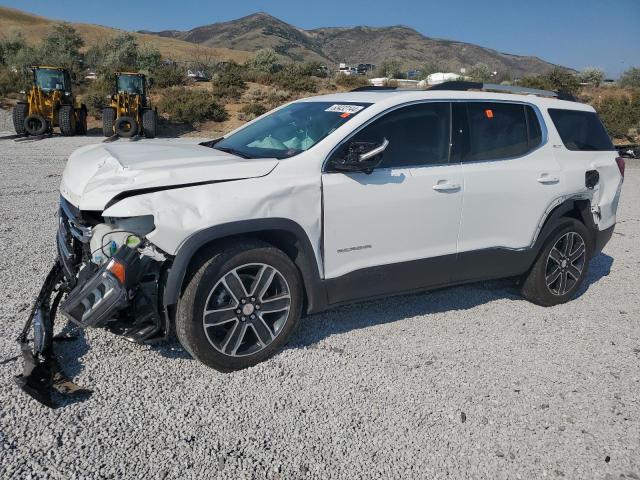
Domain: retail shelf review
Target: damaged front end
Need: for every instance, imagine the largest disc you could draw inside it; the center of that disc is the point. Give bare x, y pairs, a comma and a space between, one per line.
106, 275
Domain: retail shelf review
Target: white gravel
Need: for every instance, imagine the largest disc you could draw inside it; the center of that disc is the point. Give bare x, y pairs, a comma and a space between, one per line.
469, 382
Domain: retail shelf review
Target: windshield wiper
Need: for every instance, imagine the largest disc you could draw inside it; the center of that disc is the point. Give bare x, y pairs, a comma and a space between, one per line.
233, 151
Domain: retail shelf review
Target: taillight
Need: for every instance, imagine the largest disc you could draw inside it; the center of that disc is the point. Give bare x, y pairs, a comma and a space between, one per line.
620, 162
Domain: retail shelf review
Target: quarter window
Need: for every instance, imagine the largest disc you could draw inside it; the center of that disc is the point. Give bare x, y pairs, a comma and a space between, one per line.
581, 130
417, 134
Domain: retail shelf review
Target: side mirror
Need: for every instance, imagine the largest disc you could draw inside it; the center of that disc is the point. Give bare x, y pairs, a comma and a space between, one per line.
361, 157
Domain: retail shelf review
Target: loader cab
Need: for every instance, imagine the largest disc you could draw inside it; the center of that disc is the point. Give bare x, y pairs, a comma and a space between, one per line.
131, 83
51, 79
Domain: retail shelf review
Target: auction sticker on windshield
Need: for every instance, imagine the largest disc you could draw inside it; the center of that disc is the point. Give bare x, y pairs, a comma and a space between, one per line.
344, 108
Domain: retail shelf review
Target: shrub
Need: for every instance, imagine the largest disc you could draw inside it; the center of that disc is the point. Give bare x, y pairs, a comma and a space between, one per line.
166, 76
191, 106
251, 111
631, 78
557, 79
351, 81
97, 92
265, 61
295, 78
620, 114
389, 69
480, 72
148, 58
592, 76
229, 82
10, 82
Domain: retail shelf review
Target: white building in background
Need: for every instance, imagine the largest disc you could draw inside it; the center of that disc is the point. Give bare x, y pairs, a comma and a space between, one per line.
440, 77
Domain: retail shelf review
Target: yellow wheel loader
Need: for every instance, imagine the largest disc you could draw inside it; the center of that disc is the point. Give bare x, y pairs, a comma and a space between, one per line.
50, 103
130, 113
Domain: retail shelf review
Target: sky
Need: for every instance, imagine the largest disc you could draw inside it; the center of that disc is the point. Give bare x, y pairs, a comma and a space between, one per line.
573, 33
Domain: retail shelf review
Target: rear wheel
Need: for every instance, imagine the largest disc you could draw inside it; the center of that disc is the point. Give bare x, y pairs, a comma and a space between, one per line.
240, 306
20, 113
108, 120
149, 123
67, 120
36, 124
81, 123
126, 127
561, 267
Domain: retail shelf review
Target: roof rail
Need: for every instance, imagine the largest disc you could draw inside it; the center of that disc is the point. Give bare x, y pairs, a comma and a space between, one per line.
372, 88
462, 86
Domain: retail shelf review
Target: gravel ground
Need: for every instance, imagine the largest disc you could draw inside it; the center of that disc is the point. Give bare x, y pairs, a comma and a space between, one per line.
6, 120
469, 382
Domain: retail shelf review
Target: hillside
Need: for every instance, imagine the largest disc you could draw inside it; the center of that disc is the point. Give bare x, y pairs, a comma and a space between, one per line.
34, 27
352, 45
252, 33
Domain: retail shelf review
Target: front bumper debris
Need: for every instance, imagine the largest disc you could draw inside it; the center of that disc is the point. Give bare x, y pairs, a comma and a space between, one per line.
41, 374
123, 295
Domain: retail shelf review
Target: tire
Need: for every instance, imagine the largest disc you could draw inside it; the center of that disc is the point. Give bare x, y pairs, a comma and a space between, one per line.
81, 121
217, 345
67, 120
108, 119
126, 127
20, 113
149, 123
36, 124
560, 268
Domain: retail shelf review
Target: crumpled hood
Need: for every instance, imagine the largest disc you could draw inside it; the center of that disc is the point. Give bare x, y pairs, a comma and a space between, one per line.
95, 174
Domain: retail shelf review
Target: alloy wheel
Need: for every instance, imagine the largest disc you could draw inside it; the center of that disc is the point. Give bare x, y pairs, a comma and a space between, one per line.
246, 309
565, 263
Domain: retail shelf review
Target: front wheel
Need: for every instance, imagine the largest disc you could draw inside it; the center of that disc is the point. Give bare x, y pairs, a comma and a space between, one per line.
240, 306
149, 123
67, 120
561, 266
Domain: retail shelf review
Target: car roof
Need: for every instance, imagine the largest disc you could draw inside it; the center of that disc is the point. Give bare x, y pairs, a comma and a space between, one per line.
397, 97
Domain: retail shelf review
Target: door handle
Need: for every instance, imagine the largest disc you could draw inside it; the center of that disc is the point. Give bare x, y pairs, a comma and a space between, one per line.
446, 187
547, 179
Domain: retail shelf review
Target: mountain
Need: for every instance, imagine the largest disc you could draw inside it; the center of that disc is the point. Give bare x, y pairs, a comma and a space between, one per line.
34, 28
353, 45
252, 33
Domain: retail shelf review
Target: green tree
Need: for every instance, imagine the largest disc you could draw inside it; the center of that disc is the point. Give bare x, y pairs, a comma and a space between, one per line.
61, 48
148, 57
591, 75
630, 78
563, 80
119, 52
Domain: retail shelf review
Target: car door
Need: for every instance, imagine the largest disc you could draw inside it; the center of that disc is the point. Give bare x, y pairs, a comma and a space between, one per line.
395, 228
511, 177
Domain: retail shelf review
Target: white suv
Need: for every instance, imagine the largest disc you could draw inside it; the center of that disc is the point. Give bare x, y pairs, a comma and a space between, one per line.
329, 200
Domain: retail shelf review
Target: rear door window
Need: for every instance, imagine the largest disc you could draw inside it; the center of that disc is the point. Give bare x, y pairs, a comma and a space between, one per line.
496, 131
581, 131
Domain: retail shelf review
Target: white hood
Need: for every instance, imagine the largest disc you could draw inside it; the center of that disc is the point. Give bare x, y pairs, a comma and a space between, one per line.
97, 173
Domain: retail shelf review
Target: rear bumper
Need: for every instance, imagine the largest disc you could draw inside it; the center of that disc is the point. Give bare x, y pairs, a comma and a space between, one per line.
602, 237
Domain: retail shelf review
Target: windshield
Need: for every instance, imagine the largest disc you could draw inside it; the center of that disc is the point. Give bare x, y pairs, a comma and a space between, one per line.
50, 79
291, 130
130, 84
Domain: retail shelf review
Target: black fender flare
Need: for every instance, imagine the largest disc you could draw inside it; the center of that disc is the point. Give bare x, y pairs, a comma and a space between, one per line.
305, 258
580, 205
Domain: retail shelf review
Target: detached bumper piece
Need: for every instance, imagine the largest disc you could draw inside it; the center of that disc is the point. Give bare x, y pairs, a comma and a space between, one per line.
41, 374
